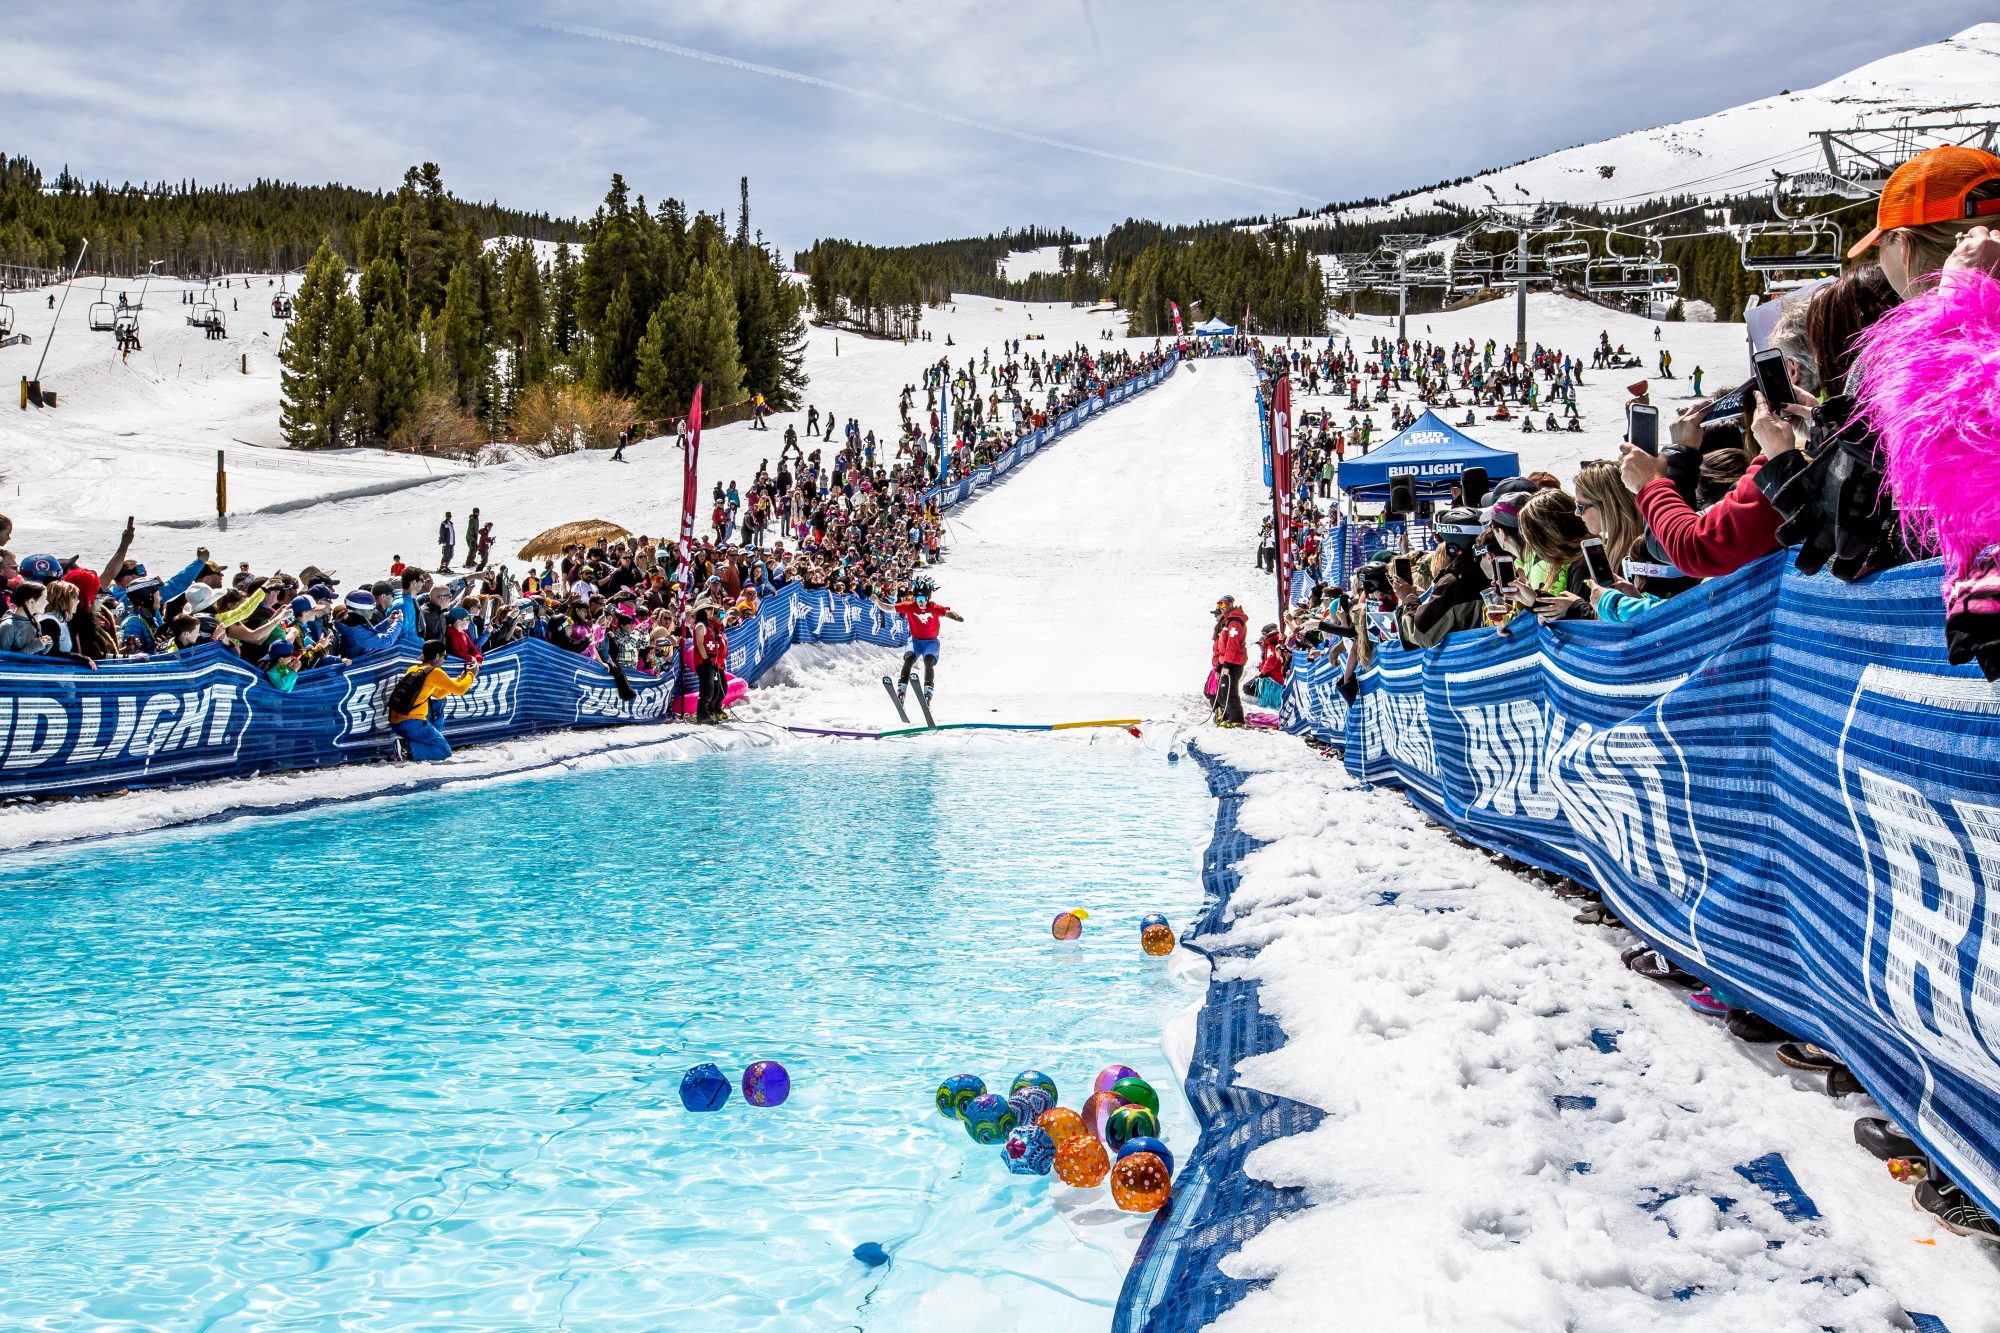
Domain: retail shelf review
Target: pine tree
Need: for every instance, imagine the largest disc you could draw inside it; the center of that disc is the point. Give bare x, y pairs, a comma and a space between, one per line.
463, 332
321, 357
614, 360
562, 301
695, 344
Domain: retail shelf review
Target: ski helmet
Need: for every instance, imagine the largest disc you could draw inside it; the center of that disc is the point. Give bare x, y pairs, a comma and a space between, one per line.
1458, 527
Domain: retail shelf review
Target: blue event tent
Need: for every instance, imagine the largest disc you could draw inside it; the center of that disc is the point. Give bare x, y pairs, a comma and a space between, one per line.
1432, 453
1214, 328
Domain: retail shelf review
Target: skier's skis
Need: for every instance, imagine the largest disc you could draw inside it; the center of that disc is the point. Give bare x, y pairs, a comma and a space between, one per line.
896, 699
924, 702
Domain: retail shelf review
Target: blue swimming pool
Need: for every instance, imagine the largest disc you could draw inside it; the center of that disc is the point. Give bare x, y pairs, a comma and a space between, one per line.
415, 1064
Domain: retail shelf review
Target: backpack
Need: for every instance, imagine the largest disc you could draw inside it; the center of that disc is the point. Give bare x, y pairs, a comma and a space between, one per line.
404, 694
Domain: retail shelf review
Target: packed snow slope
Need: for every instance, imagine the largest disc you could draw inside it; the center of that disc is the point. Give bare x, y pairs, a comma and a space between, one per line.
1735, 151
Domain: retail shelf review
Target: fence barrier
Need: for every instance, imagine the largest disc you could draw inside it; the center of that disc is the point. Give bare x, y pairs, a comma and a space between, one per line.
1777, 780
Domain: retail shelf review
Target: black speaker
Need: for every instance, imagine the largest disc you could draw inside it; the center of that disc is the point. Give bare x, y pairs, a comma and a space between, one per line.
1402, 496
1472, 486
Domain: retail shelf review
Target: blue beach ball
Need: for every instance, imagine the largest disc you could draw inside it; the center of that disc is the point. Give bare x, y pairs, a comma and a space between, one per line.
1153, 919
988, 1118
766, 1083
956, 1092
1029, 1151
1035, 1078
703, 1088
1145, 1144
1029, 1103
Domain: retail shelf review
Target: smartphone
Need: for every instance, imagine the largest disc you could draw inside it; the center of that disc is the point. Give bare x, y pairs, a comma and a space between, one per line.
1642, 427
1400, 567
1503, 570
1774, 382
1597, 562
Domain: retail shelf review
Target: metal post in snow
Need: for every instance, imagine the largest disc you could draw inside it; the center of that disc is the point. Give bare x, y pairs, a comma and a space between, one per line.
1521, 295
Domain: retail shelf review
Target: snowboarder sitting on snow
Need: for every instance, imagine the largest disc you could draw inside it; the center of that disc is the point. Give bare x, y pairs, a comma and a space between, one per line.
924, 617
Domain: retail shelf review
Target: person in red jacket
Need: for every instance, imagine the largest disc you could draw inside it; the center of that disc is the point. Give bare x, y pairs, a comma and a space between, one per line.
711, 663
1229, 655
1271, 668
1735, 530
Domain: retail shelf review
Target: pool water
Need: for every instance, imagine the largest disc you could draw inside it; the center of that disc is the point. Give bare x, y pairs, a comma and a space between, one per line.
415, 1064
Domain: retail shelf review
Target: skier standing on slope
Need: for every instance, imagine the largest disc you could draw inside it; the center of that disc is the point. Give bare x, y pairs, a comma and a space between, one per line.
925, 618
1231, 651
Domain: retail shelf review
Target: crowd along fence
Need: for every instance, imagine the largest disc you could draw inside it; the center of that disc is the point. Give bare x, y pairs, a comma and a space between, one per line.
1030, 443
1778, 780
205, 713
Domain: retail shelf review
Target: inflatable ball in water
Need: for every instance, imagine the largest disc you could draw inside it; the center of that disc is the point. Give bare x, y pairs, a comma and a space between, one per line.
988, 1118
1141, 1183
1029, 1151
1068, 925
1137, 1090
1130, 1122
1029, 1103
1157, 941
1152, 919
1097, 1109
1153, 1146
1035, 1078
956, 1093
1108, 1077
703, 1088
766, 1083
1082, 1162
1063, 1125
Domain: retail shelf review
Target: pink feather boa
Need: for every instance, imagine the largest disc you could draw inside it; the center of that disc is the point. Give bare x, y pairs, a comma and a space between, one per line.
1930, 388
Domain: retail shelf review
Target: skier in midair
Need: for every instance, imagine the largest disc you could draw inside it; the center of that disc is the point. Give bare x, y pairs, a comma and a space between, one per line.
925, 618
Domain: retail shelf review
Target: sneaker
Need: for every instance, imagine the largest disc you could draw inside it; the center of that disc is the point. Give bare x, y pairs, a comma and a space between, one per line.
1955, 1211
1746, 1026
1703, 1002
1656, 966
1804, 1055
1883, 1139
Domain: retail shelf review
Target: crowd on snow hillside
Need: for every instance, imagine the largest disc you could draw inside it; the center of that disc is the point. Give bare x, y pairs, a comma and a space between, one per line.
836, 510
1884, 448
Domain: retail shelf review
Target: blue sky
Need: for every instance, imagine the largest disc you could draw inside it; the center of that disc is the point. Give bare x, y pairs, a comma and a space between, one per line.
898, 120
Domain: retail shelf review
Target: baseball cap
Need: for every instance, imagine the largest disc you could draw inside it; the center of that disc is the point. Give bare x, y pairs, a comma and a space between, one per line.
1932, 187
280, 648
301, 604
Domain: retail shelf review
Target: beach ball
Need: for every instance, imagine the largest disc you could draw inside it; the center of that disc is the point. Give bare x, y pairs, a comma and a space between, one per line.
1153, 1146
1062, 1124
1037, 1079
1137, 1090
955, 1092
1029, 1151
1153, 919
988, 1118
1082, 1162
1097, 1109
1157, 941
1141, 1183
1029, 1103
703, 1088
1108, 1077
1067, 925
1129, 1122
766, 1083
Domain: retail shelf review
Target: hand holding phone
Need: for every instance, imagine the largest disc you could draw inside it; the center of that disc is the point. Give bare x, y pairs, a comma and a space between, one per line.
1642, 427
1774, 381
1597, 562
1503, 570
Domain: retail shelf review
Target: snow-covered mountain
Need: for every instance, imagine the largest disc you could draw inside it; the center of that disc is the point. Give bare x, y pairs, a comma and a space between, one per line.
1735, 151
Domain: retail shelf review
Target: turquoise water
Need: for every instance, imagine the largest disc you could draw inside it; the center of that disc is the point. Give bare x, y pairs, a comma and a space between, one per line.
415, 1064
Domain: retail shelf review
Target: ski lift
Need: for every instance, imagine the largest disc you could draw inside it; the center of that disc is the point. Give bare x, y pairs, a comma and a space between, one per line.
102, 320
1790, 254
281, 304
1562, 254
204, 314
6, 315
126, 321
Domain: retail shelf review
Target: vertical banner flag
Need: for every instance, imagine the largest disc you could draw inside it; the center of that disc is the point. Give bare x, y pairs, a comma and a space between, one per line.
1175, 307
944, 427
1281, 484
688, 482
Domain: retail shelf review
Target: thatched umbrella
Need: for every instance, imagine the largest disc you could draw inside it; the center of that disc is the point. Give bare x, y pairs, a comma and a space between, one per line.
570, 534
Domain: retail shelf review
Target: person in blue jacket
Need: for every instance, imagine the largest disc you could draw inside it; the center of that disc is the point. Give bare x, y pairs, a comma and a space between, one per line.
358, 636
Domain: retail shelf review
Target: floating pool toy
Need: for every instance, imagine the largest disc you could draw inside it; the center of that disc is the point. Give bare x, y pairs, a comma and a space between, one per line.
956, 1092
766, 1083
1029, 1103
1153, 1146
1029, 1150
1082, 1162
1069, 925
733, 692
1035, 1078
1062, 1124
1108, 1076
1153, 919
1139, 1091
703, 1088
1128, 1122
1097, 1109
871, 1254
1157, 941
988, 1118
1141, 1183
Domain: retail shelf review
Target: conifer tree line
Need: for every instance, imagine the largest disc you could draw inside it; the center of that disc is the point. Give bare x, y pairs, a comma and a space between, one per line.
427, 338
1212, 267
199, 230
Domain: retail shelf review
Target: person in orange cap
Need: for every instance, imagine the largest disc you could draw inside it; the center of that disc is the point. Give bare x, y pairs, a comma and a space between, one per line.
1931, 201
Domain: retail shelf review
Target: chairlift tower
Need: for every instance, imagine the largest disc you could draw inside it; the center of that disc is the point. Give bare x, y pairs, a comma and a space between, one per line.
1400, 244
1867, 155
1525, 221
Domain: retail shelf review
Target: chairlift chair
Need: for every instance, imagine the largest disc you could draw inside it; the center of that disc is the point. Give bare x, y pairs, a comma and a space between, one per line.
6, 316
1562, 254
1621, 277
1803, 252
102, 320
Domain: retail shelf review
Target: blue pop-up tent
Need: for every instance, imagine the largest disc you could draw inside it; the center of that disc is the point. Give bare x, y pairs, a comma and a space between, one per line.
1214, 328
1431, 453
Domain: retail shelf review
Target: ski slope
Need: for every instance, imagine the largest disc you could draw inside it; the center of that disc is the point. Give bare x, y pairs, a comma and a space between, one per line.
1734, 151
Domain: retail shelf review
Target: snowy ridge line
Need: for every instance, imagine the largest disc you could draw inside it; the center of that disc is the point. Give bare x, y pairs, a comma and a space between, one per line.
1799, 811
1176, 1284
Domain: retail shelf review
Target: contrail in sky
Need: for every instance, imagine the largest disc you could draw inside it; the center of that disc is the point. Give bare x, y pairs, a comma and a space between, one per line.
793, 76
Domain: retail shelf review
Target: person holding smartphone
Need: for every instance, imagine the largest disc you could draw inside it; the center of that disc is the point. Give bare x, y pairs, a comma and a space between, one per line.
1734, 531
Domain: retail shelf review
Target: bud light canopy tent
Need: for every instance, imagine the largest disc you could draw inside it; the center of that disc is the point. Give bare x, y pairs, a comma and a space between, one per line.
1214, 328
1431, 453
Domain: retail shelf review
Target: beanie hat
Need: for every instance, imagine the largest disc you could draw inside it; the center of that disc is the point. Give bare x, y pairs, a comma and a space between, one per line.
361, 600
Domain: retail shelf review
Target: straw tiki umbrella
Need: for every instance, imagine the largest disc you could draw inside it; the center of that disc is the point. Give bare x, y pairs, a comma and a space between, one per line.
570, 534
